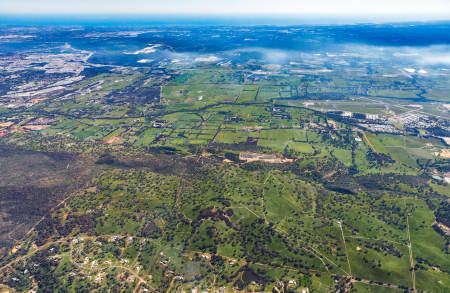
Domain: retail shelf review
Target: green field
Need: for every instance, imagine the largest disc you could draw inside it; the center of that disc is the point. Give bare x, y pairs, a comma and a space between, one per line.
176, 207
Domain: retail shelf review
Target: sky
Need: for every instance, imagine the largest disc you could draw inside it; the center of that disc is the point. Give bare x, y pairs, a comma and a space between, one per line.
437, 9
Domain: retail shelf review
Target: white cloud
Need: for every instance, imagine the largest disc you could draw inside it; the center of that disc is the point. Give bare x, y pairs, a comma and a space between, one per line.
207, 59
436, 59
432, 55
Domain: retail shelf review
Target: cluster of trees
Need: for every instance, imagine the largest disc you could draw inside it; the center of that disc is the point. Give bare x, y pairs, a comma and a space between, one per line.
378, 159
443, 213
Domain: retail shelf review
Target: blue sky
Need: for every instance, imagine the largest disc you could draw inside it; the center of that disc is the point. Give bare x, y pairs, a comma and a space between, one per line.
437, 8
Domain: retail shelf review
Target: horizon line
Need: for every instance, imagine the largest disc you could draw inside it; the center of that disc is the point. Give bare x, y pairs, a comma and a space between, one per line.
215, 19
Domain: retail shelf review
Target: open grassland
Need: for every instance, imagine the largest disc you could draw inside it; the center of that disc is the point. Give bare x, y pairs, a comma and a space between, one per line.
262, 224
170, 205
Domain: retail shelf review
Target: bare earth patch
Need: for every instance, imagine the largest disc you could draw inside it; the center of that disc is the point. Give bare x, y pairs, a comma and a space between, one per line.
266, 158
34, 127
252, 128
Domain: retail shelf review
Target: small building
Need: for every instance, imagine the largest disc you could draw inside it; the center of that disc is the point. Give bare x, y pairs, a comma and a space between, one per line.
292, 283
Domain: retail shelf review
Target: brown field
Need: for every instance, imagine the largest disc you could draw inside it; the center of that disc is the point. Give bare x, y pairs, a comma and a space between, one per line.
6, 124
113, 139
443, 154
37, 100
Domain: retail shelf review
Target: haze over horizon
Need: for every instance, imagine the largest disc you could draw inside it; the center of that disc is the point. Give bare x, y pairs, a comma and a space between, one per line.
384, 9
